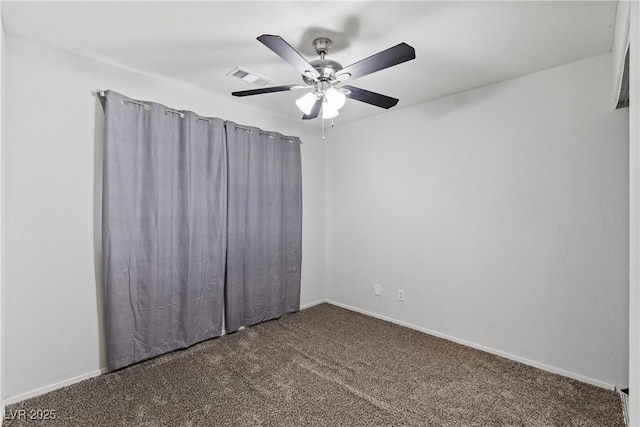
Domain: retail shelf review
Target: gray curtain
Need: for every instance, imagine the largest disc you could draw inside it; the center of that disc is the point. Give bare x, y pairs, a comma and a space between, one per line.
264, 241
164, 229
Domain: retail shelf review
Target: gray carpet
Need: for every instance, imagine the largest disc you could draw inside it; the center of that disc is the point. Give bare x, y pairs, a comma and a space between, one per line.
326, 366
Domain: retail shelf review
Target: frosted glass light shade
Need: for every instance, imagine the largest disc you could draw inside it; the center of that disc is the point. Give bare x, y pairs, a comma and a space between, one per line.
335, 98
305, 103
328, 112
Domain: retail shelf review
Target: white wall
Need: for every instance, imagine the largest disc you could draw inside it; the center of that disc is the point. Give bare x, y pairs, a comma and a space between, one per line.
53, 159
502, 213
2, 128
634, 216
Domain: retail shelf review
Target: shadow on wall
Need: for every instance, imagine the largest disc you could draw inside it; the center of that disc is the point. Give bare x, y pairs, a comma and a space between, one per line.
467, 99
98, 154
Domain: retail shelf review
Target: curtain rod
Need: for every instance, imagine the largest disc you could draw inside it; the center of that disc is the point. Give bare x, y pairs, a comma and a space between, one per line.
181, 114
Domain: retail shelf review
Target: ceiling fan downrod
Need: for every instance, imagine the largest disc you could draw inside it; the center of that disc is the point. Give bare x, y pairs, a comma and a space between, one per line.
326, 68
322, 46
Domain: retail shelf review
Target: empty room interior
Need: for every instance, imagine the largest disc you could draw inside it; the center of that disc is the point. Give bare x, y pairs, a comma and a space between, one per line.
319, 213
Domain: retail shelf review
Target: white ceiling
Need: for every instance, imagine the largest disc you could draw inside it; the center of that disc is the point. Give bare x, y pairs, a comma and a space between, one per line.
459, 45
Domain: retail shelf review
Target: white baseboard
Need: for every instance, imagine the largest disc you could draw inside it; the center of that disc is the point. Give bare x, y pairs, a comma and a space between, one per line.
311, 304
64, 383
625, 407
77, 379
51, 387
538, 365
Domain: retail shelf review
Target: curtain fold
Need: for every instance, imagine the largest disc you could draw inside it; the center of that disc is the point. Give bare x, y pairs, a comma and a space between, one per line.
264, 239
164, 229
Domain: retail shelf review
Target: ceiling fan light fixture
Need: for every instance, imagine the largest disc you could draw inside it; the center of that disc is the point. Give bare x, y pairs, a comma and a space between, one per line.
306, 102
335, 98
328, 112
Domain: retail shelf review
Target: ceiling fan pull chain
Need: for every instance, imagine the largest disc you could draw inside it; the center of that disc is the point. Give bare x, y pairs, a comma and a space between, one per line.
322, 136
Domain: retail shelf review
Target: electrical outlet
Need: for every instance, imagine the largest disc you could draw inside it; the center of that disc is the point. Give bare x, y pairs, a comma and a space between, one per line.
377, 289
400, 295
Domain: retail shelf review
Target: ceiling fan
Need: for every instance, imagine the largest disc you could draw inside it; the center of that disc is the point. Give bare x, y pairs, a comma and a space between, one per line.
324, 76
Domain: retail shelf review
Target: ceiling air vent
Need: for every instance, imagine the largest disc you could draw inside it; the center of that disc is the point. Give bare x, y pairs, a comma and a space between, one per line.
249, 76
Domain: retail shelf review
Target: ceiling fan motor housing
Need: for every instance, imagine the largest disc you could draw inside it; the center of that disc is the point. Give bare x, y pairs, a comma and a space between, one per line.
325, 67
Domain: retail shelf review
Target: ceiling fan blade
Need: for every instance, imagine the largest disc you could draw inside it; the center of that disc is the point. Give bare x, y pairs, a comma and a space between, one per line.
369, 97
315, 110
264, 90
289, 54
387, 58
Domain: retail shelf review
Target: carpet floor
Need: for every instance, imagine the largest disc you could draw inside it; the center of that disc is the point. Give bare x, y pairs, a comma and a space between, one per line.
326, 366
